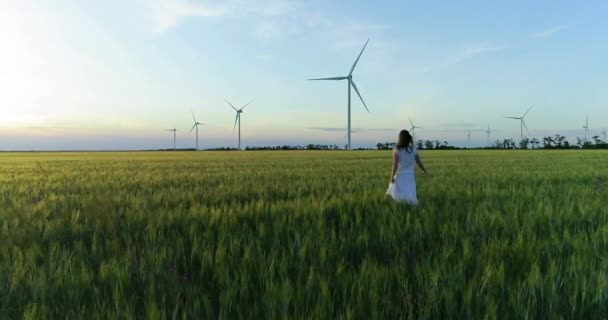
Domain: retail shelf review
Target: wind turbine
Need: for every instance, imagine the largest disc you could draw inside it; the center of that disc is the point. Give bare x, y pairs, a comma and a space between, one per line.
469, 138
196, 124
488, 133
604, 133
522, 122
413, 129
174, 133
238, 118
586, 127
351, 83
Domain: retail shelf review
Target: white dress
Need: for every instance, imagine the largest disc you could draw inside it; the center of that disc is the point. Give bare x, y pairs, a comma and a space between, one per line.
404, 187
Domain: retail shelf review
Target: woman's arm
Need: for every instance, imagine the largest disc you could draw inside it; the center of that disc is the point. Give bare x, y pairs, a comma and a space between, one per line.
395, 164
420, 164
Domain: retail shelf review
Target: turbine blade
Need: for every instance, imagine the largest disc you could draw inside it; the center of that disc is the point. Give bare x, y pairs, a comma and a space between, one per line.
189, 132
524, 123
517, 118
532, 106
235, 120
231, 105
331, 78
357, 91
411, 122
248, 103
193, 117
359, 57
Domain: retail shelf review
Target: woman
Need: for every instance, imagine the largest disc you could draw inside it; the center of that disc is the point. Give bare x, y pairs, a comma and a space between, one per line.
403, 183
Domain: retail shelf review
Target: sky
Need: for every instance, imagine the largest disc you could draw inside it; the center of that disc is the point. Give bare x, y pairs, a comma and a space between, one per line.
116, 74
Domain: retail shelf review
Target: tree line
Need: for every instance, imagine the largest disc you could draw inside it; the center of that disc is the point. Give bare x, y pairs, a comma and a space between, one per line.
550, 142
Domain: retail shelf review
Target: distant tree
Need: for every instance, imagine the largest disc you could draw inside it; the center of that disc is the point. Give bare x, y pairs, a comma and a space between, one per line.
508, 144
559, 141
534, 142
523, 144
420, 144
498, 144
385, 146
428, 144
597, 140
579, 142
548, 142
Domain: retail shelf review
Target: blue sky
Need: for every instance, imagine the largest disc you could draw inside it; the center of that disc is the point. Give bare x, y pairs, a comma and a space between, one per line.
115, 74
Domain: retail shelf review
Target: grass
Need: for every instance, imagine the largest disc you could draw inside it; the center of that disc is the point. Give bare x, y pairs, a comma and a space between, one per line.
264, 235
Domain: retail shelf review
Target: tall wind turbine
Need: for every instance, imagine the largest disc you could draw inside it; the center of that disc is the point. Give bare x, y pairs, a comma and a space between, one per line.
351, 83
174, 134
522, 123
469, 138
586, 127
413, 129
238, 118
196, 124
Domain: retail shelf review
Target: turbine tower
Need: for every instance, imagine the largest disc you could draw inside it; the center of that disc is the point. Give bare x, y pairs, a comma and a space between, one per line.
469, 138
196, 124
351, 83
174, 133
604, 133
522, 123
238, 118
413, 129
586, 127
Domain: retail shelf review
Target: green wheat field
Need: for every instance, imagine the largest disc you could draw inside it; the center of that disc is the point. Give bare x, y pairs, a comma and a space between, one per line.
304, 235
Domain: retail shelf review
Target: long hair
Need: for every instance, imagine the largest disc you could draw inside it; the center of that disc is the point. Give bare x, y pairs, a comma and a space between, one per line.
405, 141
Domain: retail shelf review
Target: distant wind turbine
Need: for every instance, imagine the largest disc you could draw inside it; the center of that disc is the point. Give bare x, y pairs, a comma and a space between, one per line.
351, 83
522, 123
196, 124
469, 138
413, 129
488, 136
174, 134
238, 118
604, 133
586, 127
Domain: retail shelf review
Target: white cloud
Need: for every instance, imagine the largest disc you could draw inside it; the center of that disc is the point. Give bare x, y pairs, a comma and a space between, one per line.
167, 14
467, 53
264, 57
267, 30
270, 19
549, 32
